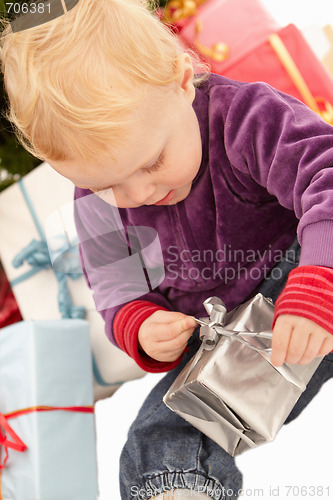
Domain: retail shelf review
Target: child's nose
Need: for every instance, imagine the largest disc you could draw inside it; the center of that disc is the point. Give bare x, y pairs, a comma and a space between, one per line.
139, 192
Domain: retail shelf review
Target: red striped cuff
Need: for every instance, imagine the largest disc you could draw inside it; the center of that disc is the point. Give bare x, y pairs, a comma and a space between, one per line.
126, 325
308, 293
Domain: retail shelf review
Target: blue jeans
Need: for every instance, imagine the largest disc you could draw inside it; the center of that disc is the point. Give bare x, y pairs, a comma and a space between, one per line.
165, 452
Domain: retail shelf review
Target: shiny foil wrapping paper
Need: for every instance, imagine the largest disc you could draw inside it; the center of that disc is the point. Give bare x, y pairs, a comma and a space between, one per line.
229, 390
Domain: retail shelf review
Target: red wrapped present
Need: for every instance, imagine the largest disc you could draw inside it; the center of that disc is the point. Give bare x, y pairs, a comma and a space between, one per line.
220, 31
9, 311
287, 62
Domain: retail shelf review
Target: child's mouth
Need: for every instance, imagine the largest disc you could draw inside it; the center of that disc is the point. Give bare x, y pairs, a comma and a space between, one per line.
166, 199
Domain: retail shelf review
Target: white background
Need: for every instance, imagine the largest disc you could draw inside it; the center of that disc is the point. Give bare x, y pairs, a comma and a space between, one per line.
301, 455
301, 12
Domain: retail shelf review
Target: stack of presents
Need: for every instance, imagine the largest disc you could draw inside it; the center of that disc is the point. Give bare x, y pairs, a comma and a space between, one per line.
242, 41
55, 358
57, 361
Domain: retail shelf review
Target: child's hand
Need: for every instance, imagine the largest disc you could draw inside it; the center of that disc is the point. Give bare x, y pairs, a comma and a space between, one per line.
298, 340
164, 334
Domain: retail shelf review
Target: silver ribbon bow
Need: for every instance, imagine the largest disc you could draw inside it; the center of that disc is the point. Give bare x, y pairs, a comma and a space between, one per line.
216, 326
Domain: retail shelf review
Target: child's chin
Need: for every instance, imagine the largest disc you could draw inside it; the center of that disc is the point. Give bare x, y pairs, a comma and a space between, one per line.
177, 199
180, 196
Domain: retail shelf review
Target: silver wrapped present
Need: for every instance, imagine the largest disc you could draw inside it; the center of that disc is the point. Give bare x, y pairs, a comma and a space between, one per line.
229, 390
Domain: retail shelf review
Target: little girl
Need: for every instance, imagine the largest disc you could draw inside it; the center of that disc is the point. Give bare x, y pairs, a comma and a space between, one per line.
207, 181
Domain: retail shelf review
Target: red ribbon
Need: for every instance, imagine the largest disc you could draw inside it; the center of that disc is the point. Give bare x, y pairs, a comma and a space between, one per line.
16, 443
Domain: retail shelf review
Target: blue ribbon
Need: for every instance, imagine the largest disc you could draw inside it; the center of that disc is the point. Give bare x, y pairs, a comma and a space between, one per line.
99, 379
37, 255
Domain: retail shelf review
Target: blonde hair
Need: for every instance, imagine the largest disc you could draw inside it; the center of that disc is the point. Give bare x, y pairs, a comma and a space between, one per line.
73, 82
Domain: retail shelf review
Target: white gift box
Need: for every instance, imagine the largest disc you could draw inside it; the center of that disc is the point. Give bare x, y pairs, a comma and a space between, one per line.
46, 399
25, 207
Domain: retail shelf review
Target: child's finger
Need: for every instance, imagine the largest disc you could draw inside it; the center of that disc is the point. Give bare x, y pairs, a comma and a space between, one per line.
170, 350
168, 331
280, 342
326, 347
297, 345
168, 317
314, 345
177, 343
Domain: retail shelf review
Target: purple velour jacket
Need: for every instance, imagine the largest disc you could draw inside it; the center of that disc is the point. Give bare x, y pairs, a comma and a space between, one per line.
266, 173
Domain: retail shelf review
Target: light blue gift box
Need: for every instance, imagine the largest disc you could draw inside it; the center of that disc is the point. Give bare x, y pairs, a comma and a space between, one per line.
48, 363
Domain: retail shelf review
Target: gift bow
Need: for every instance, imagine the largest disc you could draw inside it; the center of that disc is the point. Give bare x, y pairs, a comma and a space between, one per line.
37, 255
176, 10
214, 326
319, 105
16, 443
218, 52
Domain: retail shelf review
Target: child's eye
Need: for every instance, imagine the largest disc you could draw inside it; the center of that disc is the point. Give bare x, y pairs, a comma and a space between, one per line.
156, 166
152, 169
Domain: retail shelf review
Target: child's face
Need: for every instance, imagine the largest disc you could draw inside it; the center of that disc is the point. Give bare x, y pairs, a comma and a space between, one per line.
158, 162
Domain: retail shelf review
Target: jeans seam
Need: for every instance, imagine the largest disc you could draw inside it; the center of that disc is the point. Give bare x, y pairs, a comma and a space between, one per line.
167, 485
198, 452
190, 471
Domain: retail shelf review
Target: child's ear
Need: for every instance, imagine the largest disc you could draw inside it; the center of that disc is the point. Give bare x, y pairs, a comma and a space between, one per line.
186, 77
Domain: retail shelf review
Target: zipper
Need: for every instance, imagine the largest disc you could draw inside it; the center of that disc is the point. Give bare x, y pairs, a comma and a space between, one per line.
180, 239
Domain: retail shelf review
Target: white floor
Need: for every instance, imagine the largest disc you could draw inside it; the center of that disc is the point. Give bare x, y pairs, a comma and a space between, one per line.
300, 456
